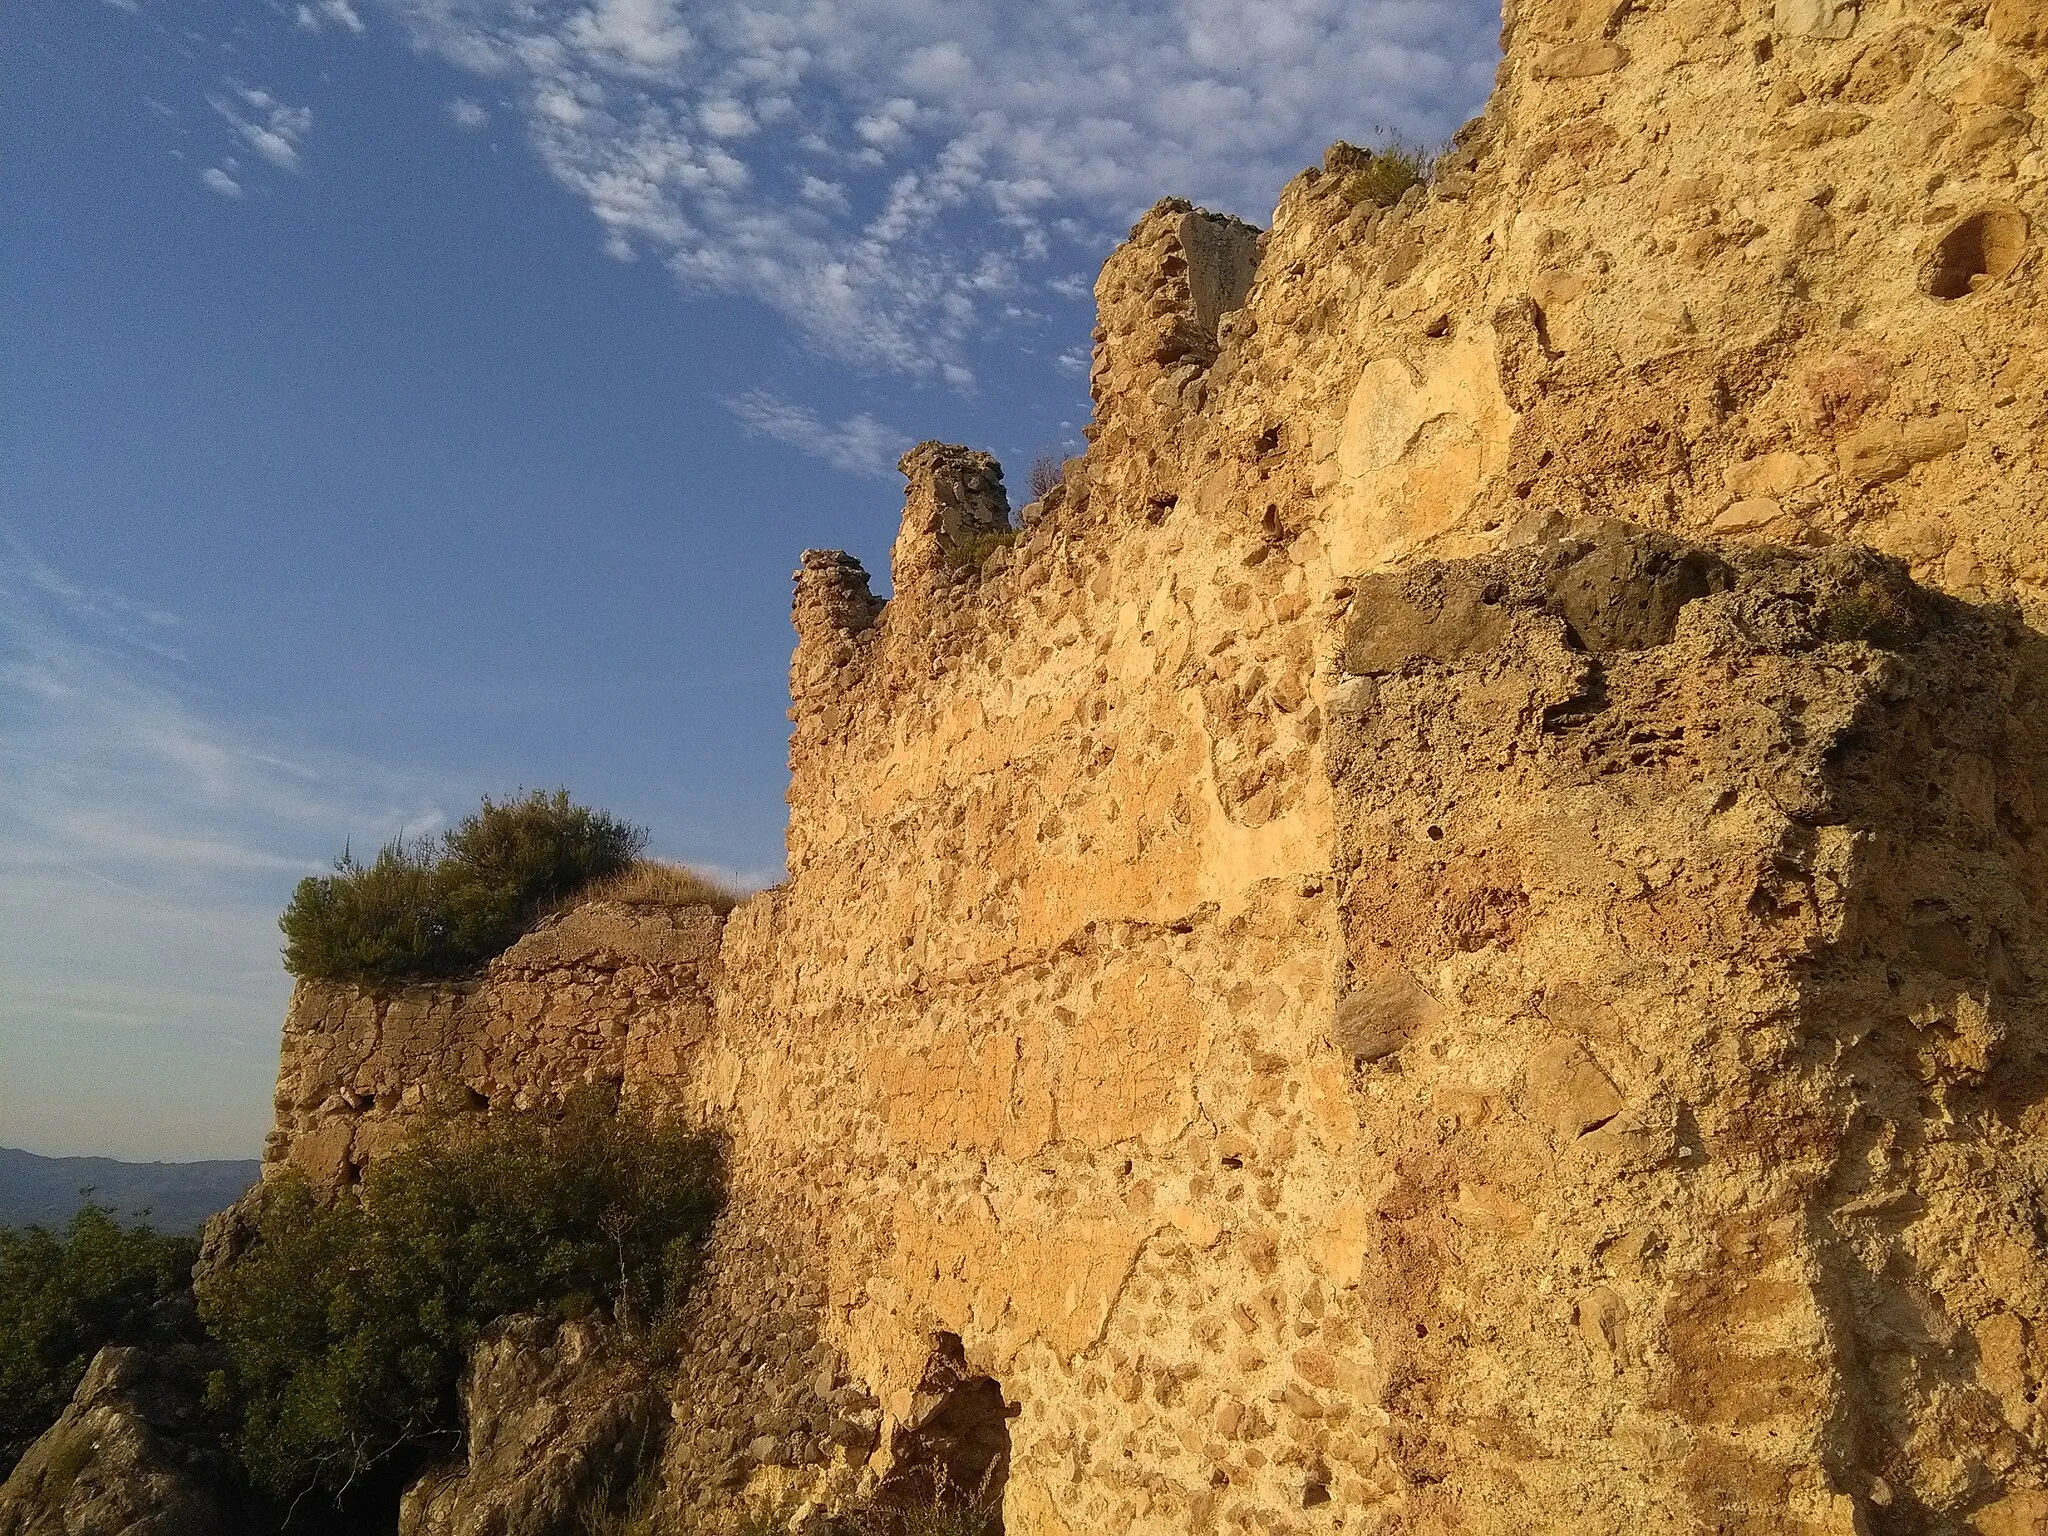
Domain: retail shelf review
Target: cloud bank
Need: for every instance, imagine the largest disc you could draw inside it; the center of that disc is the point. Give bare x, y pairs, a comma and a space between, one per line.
898, 177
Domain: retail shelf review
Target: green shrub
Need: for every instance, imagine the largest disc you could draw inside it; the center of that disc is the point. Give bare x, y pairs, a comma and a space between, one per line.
1381, 176
64, 1295
972, 551
1871, 612
443, 907
348, 1323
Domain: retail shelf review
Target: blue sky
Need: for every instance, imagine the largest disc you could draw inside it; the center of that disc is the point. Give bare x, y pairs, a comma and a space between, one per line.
402, 400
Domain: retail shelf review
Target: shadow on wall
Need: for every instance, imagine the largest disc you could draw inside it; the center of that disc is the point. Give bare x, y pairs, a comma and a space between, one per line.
952, 1453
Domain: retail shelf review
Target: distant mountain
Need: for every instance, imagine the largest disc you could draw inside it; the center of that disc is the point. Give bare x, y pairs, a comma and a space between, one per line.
177, 1197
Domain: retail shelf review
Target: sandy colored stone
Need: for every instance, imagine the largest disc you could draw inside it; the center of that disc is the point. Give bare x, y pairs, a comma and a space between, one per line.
1570, 1091
1579, 58
1886, 451
2019, 23
1399, 887
1816, 18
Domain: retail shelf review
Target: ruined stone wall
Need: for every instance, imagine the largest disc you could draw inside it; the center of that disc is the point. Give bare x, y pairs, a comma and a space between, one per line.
1435, 943
1744, 269
606, 994
1330, 1060
1688, 899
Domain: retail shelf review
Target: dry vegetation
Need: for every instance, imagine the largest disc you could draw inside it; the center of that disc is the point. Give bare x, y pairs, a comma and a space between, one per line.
1378, 176
656, 883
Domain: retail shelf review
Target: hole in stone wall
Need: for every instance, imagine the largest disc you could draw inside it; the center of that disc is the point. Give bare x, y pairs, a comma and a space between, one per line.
1980, 250
953, 1449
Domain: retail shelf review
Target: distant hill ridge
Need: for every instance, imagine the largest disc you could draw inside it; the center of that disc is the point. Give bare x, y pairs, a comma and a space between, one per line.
172, 1197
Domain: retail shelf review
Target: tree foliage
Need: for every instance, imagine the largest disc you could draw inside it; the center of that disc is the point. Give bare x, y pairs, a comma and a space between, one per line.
444, 906
63, 1296
348, 1322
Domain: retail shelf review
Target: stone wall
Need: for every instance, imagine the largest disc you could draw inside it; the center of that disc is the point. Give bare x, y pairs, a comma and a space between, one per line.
1447, 936
603, 994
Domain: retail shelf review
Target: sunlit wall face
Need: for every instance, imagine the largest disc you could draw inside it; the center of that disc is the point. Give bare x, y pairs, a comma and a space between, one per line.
408, 401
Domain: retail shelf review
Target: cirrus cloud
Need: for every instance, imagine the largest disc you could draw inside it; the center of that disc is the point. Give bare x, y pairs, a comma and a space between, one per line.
895, 176
859, 445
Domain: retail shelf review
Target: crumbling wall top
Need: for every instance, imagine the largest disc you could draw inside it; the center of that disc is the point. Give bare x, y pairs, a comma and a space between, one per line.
953, 496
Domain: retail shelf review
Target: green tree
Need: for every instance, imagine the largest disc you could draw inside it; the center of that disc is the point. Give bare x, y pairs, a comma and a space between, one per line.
348, 1322
444, 906
63, 1296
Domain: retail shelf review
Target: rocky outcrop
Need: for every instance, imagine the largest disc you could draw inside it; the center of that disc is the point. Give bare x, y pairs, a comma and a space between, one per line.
131, 1456
560, 1419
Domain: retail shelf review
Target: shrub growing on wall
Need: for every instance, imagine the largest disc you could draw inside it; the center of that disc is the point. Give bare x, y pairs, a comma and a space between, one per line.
64, 1295
348, 1322
445, 906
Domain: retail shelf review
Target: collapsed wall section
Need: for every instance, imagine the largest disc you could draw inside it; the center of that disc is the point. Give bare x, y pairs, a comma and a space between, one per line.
613, 996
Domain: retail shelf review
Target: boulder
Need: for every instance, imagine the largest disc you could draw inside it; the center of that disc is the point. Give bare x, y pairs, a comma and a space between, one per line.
130, 1456
559, 1416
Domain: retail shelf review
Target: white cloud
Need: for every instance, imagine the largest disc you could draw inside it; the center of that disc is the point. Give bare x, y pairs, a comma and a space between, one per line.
318, 15
218, 180
889, 127
132, 7
860, 445
891, 173
630, 36
131, 620
826, 194
467, 115
726, 119
275, 131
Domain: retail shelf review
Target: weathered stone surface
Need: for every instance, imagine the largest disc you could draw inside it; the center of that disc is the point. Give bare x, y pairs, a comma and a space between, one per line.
1816, 18
1380, 1017
1579, 58
131, 1456
2019, 23
1370, 954
1624, 592
604, 993
557, 1416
